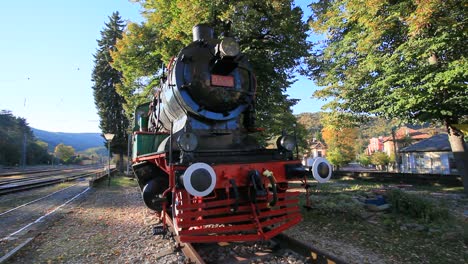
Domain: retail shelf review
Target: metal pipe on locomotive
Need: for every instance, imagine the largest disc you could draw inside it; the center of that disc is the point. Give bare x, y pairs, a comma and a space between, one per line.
194, 155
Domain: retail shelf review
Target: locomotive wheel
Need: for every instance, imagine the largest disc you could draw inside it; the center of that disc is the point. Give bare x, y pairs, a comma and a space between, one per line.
150, 196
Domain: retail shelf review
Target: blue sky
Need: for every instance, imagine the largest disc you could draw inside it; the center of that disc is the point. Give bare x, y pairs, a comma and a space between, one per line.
46, 60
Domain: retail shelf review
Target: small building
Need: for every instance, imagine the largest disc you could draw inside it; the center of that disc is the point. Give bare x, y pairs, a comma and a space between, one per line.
404, 137
375, 145
432, 155
316, 149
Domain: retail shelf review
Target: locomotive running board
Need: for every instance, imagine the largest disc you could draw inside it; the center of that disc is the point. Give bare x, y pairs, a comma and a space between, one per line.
214, 221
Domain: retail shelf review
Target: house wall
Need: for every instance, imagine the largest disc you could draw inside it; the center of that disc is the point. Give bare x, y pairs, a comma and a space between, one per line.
428, 162
318, 153
375, 145
388, 148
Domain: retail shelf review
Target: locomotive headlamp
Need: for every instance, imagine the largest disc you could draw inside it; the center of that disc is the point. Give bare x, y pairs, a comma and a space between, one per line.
187, 141
286, 142
229, 47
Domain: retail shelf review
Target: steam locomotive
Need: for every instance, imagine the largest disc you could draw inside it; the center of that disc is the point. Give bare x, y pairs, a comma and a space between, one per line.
195, 156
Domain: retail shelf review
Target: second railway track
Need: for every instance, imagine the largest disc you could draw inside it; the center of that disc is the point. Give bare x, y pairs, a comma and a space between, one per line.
26, 183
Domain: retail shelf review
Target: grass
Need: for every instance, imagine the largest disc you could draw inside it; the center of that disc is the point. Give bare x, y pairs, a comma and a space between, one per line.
417, 229
118, 180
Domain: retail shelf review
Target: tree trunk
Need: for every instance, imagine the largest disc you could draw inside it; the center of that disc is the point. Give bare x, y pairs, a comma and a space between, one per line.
121, 162
457, 143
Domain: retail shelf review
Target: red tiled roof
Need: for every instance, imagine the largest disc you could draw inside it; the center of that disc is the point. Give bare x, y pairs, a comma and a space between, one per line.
412, 133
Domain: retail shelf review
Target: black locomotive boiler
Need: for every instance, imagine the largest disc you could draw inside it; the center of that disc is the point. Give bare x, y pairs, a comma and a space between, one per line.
195, 157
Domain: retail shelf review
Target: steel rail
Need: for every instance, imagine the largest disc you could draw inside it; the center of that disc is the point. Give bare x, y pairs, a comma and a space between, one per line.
38, 170
312, 253
26, 172
22, 179
36, 200
189, 251
22, 187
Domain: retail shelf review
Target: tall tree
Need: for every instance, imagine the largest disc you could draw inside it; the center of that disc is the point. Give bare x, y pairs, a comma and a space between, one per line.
64, 152
404, 59
270, 33
380, 159
108, 102
13, 132
340, 134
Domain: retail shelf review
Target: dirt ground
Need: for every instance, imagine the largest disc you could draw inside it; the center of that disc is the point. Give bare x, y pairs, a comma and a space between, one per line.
108, 225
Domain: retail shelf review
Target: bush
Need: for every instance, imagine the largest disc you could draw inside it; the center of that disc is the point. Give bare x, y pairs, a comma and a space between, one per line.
379, 158
417, 207
342, 204
364, 160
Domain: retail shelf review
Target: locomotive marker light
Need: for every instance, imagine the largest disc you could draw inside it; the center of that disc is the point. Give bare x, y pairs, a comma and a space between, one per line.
187, 141
286, 142
199, 179
321, 170
228, 47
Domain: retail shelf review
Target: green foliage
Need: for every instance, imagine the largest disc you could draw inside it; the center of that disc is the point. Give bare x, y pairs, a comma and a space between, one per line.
108, 102
118, 180
337, 157
270, 33
396, 59
139, 61
37, 152
364, 159
337, 204
379, 158
64, 153
312, 124
340, 135
95, 152
418, 207
13, 130
399, 59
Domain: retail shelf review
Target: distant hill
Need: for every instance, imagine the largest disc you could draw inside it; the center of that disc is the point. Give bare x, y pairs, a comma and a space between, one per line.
79, 141
311, 121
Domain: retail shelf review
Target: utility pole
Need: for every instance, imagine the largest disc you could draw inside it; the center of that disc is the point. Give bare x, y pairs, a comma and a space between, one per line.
397, 165
109, 137
128, 153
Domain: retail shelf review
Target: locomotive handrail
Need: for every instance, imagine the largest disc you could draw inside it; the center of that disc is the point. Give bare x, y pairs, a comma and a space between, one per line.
150, 133
236, 195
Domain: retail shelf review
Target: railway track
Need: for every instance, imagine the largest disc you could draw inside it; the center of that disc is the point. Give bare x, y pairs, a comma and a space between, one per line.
17, 183
19, 223
280, 249
40, 169
26, 177
13, 173
23, 214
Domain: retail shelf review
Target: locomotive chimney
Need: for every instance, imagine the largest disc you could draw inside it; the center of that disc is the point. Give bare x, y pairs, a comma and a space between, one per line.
202, 31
